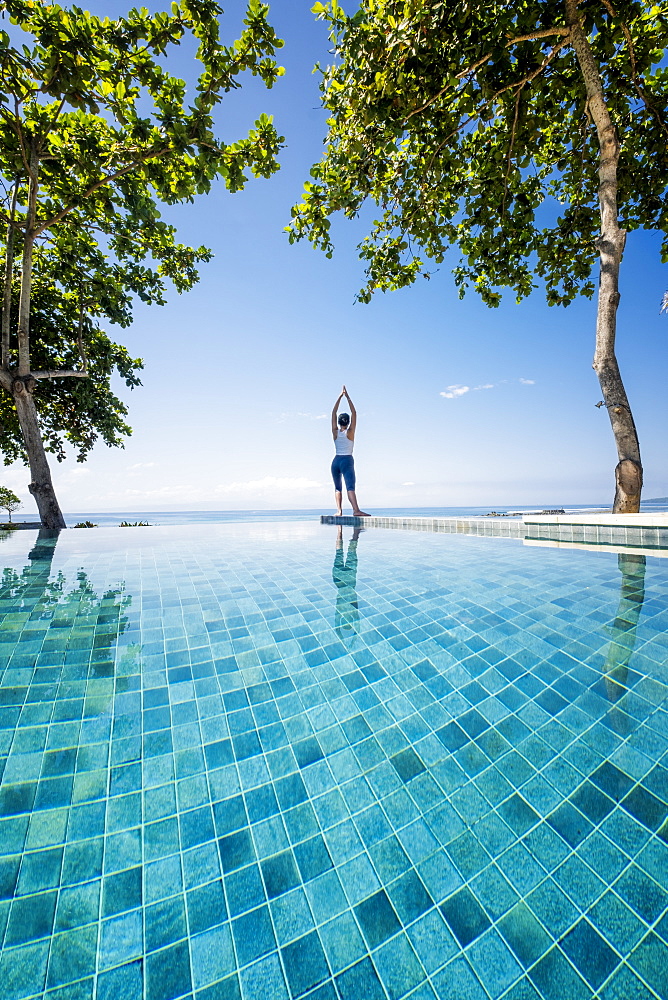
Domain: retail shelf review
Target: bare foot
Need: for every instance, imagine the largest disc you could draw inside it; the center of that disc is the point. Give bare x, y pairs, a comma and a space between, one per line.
360, 513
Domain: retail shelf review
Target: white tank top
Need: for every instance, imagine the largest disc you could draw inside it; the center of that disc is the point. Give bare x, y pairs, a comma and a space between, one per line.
343, 444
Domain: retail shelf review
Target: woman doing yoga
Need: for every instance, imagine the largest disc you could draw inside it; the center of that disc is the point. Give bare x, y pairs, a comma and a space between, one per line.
343, 466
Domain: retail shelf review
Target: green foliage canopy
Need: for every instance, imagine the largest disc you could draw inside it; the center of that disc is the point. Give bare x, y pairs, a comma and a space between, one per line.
77, 411
467, 125
93, 123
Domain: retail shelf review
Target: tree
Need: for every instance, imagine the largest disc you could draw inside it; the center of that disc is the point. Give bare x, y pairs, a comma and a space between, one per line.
9, 501
510, 132
95, 133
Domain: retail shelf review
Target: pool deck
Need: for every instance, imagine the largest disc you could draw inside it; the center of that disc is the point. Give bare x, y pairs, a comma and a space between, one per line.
237, 765
601, 519
619, 531
509, 527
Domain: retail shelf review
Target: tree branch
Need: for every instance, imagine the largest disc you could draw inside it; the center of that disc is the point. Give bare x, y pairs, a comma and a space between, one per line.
510, 149
51, 127
9, 267
520, 84
60, 374
82, 352
558, 29
106, 179
634, 74
543, 33
16, 124
23, 326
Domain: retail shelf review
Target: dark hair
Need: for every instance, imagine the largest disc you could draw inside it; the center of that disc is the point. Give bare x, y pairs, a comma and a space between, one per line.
344, 419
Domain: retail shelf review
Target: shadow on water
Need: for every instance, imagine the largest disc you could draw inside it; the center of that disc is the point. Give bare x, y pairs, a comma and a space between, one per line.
344, 575
623, 634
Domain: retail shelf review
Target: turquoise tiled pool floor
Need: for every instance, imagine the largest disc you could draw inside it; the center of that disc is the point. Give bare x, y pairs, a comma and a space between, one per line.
240, 762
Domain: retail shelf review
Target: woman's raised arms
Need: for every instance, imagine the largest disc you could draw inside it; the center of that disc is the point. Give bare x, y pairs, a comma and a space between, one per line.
334, 412
353, 414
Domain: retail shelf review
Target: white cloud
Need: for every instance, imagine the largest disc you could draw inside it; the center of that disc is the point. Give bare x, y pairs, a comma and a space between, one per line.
181, 491
15, 479
453, 391
268, 483
140, 465
408, 484
299, 415
159, 493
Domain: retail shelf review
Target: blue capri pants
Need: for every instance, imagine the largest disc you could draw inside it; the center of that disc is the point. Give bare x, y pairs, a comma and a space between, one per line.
343, 465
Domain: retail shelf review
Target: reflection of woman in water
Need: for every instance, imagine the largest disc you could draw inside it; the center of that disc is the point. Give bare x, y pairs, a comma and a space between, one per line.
344, 575
343, 464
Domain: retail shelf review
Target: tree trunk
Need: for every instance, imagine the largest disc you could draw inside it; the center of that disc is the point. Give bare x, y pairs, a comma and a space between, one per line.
9, 267
23, 331
41, 485
22, 383
628, 474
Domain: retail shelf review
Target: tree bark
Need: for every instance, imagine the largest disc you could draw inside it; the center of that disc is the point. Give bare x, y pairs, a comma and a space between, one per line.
9, 266
628, 474
26, 265
21, 383
41, 485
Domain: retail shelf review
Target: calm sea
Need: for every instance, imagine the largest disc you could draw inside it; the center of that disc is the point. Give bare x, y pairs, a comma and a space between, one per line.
110, 519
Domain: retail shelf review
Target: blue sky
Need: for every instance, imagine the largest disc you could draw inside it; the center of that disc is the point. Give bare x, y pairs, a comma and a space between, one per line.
241, 374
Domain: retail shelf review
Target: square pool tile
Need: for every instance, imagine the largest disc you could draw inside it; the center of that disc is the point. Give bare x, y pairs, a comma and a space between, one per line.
168, 973
342, 942
398, 967
280, 874
305, 964
650, 961
432, 941
407, 764
409, 897
253, 935
494, 963
377, 919
555, 978
525, 935
589, 953
360, 980
465, 916
617, 923
459, 980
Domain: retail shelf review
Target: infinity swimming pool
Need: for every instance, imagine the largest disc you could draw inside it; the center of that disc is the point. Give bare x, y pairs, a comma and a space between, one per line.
256, 761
